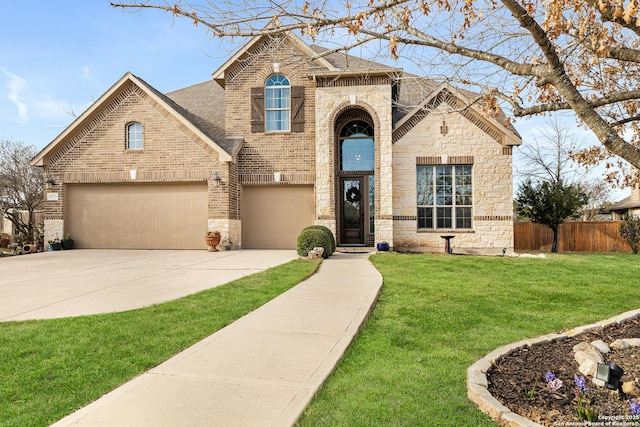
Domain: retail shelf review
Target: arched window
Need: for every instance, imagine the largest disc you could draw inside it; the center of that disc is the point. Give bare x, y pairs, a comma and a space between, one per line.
134, 136
356, 147
277, 96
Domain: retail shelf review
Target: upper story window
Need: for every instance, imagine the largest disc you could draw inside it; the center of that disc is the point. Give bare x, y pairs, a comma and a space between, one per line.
134, 136
444, 196
356, 147
277, 106
277, 96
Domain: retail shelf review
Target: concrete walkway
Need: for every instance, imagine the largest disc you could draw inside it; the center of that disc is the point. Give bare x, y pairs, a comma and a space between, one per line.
90, 281
261, 370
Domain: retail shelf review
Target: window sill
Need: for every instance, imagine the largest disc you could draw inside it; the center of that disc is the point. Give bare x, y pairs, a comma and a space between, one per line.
445, 230
134, 150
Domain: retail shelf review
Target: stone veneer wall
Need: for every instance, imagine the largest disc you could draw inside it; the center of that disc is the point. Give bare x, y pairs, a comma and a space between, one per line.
330, 101
492, 227
97, 153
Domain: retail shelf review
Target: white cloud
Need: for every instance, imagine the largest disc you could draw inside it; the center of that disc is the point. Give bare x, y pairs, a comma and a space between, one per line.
15, 85
86, 72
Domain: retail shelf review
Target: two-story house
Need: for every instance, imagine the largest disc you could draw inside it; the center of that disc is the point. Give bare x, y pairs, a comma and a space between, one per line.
285, 135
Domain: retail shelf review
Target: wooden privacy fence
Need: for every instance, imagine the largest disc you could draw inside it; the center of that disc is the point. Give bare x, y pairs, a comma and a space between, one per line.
591, 236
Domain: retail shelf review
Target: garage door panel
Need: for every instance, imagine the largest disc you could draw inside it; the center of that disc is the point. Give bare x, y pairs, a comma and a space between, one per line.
273, 216
137, 216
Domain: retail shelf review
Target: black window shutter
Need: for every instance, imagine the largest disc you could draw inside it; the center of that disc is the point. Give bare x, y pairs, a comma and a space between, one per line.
257, 109
297, 109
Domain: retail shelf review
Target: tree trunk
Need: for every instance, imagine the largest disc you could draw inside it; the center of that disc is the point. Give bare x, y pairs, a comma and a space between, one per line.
554, 245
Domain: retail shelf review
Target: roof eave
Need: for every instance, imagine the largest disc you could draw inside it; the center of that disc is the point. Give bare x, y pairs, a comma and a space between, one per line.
511, 138
219, 74
351, 73
39, 159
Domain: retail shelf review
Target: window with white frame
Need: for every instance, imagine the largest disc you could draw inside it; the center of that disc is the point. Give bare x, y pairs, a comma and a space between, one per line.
445, 198
134, 136
277, 96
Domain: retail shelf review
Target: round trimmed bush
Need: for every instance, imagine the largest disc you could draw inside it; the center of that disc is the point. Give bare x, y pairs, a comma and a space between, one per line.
329, 234
313, 238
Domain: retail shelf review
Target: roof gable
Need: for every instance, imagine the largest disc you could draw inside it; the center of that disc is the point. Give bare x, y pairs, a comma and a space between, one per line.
181, 115
219, 74
408, 117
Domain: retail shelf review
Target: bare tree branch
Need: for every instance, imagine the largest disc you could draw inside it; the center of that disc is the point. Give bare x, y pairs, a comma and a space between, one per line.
535, 57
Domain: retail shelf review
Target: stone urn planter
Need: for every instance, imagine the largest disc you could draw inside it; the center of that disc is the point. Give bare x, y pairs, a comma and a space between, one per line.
212, 239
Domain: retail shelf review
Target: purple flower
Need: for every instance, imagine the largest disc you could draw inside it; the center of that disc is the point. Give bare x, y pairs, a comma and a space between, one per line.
581, 384
555, 384
549, 376
634, 407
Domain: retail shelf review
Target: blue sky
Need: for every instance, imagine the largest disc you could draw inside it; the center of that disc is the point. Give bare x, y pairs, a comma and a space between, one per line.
59, 56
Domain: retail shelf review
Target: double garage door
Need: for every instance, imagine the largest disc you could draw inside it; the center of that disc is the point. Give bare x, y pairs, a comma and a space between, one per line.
137, 216
174, 216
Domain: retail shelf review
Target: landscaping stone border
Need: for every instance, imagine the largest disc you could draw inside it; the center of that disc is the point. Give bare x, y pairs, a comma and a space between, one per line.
477, 382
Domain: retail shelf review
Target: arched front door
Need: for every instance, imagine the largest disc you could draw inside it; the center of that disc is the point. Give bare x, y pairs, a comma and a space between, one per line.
356, 165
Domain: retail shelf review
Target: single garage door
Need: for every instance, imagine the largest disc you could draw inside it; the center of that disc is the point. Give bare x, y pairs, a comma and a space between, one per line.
137, 216
273, 216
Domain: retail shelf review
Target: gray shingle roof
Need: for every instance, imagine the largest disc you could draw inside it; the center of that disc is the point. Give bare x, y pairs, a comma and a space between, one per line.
630, 202
346, 63
203, 105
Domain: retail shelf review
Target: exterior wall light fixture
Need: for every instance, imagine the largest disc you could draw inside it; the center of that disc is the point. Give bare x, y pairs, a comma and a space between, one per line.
217, 180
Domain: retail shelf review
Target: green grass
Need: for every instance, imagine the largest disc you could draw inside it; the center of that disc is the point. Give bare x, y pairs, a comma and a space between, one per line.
438, 314
49, 368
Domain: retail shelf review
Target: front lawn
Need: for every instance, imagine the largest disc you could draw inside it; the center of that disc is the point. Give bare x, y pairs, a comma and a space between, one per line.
49, 368
438, 314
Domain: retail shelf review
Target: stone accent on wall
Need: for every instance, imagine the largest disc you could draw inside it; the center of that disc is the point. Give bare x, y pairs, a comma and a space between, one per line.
53, 228
464, 143
229, 229
376, 101
446, 98
330, 224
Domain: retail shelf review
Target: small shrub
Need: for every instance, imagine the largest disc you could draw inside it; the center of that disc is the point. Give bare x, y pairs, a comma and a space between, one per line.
329, 234
312, 238
4, 242
630, 231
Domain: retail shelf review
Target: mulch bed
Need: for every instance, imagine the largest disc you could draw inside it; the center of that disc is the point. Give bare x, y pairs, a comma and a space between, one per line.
512, 375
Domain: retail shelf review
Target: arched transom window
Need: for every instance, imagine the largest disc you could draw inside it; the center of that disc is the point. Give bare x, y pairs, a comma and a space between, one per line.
356, 147
277, 95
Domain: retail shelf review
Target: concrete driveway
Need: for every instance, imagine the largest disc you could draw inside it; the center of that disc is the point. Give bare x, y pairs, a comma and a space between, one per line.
89, 281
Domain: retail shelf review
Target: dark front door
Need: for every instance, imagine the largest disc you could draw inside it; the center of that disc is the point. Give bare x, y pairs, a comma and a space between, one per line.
352, 211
